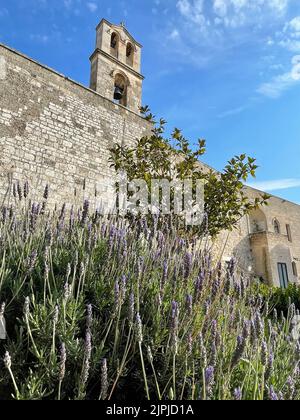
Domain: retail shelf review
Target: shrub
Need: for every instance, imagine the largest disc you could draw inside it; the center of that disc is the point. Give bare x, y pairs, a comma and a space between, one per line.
97, 309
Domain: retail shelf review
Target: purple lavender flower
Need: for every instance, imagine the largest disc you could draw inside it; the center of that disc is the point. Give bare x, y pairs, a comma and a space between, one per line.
290, 388
238, 395
188, 263
270, 367
189, 304
104, 379
62, 363
214, 329
87, 358
264, 353
209, 380
198, 286
165, 274
202, 350
123, 287
259, 325
239, 351
272, 394
89, 316
231, 267
139, 328
131, 308
85, 212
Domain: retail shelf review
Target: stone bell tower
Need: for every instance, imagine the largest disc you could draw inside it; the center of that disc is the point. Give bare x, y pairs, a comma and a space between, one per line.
116, 66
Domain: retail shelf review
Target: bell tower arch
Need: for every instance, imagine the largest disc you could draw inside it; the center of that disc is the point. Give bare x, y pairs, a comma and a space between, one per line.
116, 66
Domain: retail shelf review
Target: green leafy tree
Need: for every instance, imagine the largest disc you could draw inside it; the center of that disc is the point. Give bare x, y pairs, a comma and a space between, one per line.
157, 157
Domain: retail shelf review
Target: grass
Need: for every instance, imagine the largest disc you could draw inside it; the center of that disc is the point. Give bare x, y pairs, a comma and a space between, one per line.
96, 309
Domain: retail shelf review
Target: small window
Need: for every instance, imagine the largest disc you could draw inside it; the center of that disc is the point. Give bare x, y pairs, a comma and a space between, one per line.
129, 54
276, 226
295, 270
289, 233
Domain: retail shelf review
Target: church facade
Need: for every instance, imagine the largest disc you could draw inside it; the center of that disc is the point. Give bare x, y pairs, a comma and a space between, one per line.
56, 132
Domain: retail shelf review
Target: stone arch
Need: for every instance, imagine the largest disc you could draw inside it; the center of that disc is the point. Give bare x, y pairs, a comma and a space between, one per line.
129, 54
121, 85
114, 44
258, 221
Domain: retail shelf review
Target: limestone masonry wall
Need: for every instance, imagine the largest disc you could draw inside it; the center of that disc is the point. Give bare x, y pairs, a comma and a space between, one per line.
55, 131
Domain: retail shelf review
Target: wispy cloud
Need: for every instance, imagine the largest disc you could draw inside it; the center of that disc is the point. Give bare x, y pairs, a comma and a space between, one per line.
231, 112
93, 7
40, 38
276, 185
278, 84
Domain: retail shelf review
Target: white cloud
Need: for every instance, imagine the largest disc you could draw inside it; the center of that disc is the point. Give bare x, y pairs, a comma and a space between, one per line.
40, 38
174, 34
276, 185
231, 13
282, 82
93, 7
294, 24
232, 112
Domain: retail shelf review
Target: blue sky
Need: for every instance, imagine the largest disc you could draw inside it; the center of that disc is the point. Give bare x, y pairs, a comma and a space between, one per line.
224, 70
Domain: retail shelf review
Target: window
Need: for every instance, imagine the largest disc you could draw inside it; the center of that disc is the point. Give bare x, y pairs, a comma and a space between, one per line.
295, 270
276, 226
129, 54
289, 233
283, 275
114, 45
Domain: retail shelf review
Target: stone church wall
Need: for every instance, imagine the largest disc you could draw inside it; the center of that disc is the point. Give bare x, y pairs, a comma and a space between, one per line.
57, 132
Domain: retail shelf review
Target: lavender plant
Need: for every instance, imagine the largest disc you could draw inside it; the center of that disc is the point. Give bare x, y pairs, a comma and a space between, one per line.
98, 309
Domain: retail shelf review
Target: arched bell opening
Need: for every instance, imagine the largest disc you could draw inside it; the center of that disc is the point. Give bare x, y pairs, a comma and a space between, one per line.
129, 54
120, 89
114, 44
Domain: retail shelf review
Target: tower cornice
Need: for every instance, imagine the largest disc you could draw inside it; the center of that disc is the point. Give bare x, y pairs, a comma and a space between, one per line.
120, 63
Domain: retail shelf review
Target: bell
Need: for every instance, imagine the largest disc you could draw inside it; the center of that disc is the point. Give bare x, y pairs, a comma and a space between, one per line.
118, 95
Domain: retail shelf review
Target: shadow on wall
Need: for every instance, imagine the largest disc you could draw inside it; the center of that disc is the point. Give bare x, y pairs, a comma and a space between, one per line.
243, 255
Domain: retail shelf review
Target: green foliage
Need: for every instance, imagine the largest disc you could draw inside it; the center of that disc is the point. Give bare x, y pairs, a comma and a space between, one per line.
280, 299
157, 157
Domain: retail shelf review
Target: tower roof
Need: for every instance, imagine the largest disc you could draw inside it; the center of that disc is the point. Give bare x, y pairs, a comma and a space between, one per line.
121, 27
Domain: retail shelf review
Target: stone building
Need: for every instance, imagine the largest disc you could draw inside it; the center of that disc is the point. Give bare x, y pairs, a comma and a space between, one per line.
55, 131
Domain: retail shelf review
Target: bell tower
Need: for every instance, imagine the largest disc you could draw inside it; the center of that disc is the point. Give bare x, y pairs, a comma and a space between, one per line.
116, 66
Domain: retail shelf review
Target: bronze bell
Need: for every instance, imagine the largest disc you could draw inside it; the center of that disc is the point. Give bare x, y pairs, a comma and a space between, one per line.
118, 95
